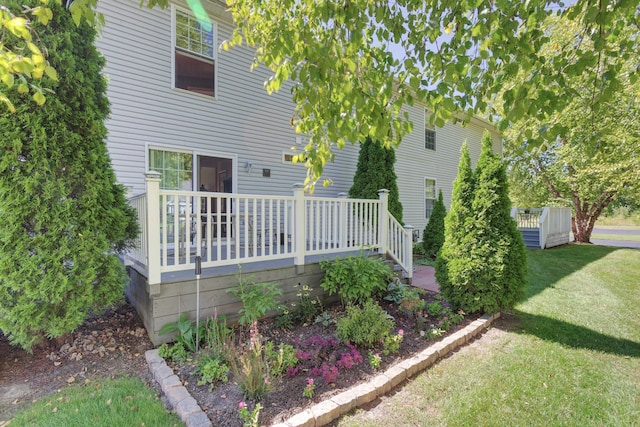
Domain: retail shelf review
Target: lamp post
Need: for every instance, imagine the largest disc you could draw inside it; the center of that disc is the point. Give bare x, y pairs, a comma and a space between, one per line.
198, 272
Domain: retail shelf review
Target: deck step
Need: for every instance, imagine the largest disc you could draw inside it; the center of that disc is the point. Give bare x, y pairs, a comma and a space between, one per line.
531, 237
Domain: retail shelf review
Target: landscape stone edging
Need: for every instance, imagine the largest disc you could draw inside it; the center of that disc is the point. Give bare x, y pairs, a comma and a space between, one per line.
324, 412
178, 397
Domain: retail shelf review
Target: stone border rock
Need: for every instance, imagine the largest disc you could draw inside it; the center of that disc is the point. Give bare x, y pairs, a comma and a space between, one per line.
324, 412
177, 395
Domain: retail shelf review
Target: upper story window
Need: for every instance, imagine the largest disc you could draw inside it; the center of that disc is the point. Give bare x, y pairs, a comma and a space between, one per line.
429, 196
194, 54
429, 134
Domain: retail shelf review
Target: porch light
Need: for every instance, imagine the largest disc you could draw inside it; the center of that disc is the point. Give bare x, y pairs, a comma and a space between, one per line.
248, 166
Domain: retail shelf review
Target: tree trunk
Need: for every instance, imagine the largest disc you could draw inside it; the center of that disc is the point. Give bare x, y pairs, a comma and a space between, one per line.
581, 227
586, 215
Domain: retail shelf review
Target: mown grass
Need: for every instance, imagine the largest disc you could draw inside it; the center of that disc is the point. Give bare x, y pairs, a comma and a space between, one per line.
108, 403
568, 355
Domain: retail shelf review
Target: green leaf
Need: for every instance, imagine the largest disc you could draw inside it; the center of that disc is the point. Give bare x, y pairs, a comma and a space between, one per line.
39, 98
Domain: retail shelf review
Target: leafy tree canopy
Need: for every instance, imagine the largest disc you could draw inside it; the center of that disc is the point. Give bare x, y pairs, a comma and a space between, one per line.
356, 63
350, 84
595, 154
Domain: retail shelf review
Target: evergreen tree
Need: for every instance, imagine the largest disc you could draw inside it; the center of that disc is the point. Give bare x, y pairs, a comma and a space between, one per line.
482, 264
433, 234
501, 280
451, 262
374, 172
63, 215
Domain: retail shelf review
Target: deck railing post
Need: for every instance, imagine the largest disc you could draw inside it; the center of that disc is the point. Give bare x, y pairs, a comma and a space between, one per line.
408, 252
153, 230
383, 220
300, 226
343, 220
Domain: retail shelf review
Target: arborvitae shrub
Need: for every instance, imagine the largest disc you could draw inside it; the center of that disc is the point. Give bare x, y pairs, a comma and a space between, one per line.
374, 172
502, 278
451, 260
482, 266
433, 234
63, 215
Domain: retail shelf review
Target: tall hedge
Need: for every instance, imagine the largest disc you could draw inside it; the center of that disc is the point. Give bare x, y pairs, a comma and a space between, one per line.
451, 262
482, 266
375, 171
433, 234
498, 241
63, 215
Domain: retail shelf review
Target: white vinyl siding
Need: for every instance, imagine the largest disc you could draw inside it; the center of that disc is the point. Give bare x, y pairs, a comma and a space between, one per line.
243, 122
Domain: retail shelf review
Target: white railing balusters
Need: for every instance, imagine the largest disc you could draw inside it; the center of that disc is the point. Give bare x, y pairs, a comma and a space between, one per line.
226, 229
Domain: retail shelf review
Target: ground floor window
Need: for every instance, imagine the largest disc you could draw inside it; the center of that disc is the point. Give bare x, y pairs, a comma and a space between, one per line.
429, 196
213, 174
175, 167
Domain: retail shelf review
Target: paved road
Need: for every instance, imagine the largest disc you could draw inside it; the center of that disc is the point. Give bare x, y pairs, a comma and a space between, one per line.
615, 231
617, 243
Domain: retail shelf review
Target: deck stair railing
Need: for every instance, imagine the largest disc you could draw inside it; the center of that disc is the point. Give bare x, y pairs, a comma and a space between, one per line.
551, 225
229, 228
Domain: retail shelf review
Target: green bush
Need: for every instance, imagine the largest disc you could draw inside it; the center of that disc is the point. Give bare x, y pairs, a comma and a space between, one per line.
418, 249
64, 217
257, 299
433, 234
482, 264
211, 370
356, 279
364, 326
280, 359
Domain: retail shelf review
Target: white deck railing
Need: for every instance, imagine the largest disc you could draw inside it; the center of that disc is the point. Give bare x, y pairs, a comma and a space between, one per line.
555, 227
553, 224
139, 252
225, 228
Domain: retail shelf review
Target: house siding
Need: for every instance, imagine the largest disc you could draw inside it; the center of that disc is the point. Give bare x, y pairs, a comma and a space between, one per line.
243, 121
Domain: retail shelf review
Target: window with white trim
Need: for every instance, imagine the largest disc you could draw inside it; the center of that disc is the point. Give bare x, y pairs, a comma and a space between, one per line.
175, 167
194, 54
429, 196
429, 134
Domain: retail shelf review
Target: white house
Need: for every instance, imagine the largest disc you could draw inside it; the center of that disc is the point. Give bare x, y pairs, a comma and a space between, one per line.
202, 119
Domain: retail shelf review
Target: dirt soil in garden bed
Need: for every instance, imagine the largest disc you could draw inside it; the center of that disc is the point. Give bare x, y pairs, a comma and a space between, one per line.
286, 399
113, 345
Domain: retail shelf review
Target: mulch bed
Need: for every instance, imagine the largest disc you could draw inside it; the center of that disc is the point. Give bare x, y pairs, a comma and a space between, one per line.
287, 399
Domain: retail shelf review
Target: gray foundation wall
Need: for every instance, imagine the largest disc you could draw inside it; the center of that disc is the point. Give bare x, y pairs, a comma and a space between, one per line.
176, 297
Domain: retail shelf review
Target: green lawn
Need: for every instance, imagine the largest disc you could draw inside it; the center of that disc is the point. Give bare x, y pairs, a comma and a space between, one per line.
109, 403
568, 355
